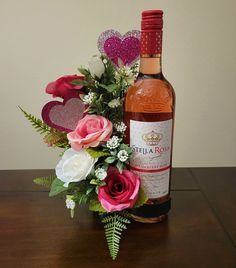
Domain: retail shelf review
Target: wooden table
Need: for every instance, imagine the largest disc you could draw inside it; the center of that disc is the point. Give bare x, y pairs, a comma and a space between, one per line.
36, 231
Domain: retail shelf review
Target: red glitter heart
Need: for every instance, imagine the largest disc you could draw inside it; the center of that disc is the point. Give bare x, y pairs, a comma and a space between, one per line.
65, 115
116, 46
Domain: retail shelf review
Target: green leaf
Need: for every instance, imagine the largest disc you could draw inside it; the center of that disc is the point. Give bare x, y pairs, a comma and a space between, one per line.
114, 152
120, 166
84, 71
45, 181
126, 147
95, 205
114, 224
142, 198
93, 181
81, 197
105, 166
89, 190
78, 82
110, 88
110, 159
95, 153
57, 187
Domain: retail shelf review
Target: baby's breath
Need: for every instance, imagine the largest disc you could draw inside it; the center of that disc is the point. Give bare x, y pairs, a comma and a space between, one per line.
100, 173
88, 99
70, 204
123, 155
120, 127
113, 142
114, 103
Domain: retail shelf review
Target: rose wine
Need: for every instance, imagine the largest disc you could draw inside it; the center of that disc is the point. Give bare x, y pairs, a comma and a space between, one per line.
149, 116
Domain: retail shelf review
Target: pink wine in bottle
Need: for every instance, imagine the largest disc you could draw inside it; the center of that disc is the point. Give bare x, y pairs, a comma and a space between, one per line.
149, 116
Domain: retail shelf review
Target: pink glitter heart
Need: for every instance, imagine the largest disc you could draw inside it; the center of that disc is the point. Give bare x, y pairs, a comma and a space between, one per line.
64, 115
116, 46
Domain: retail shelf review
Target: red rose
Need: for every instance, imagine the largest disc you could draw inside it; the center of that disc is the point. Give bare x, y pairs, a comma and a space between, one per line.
62, 86
121, 190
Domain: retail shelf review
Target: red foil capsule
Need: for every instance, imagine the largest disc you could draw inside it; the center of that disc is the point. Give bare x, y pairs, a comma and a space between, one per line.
151, 32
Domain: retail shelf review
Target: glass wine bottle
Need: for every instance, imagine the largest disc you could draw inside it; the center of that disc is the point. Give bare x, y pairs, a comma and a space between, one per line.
149, 116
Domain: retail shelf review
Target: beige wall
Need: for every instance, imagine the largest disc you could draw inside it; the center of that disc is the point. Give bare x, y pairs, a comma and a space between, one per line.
44, 39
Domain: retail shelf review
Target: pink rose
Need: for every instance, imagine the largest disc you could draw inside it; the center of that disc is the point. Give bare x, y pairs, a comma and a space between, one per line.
90, 132
62, 86
121, 190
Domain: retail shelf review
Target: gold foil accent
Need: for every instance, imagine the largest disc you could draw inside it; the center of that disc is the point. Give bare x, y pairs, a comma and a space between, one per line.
150, 55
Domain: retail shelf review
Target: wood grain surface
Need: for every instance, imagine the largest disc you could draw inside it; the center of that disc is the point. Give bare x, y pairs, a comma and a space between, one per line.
36, 231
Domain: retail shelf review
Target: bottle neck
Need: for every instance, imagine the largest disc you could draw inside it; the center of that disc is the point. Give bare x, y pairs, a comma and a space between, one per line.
150, 64
150, 52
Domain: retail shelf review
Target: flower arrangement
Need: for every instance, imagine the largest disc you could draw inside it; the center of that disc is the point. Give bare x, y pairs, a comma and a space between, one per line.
88, 126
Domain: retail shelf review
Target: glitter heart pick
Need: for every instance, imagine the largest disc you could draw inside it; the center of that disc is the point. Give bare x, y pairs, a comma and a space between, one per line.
65, 115
116, 46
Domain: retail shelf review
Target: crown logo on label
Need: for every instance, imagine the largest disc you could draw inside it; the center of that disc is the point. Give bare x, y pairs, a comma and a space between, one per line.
152, 138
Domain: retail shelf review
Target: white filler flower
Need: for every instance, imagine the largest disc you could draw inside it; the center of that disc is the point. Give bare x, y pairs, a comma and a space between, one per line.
122, 155
88, 99
70, 204
113, 142
96, 66
105, 61
114, 103
74, 166
120, 127
100, 173
126, 75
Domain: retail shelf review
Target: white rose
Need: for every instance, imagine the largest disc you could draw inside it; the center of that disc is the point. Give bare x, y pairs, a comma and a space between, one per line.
96, 66
74, 166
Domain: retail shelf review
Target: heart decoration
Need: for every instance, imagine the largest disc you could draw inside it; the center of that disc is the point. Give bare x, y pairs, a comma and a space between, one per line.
65, 115
115, 46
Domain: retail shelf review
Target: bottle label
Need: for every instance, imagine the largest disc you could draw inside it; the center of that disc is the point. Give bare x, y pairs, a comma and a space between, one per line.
151, 145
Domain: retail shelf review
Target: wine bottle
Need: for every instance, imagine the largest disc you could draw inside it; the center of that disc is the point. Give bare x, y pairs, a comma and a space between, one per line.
149, 117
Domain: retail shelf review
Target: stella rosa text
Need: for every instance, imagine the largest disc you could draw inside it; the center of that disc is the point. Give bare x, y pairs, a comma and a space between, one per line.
155, 150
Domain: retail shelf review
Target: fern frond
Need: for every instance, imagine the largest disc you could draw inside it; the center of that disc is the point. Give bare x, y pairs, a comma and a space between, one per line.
65, 145
45, 181
38, 124
55, 138
114, 225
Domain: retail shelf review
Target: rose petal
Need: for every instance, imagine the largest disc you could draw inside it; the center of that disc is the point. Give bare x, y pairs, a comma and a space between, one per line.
114, 199
62, 86
90, 131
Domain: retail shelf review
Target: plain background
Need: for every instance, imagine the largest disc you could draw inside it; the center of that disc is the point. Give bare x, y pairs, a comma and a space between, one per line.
44, 39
